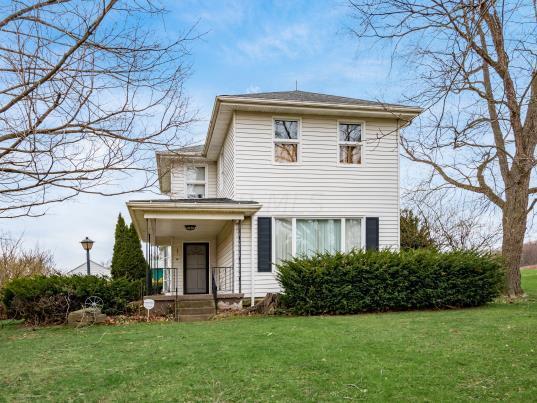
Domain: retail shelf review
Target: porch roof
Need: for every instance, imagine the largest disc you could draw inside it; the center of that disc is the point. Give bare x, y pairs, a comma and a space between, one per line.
172, 214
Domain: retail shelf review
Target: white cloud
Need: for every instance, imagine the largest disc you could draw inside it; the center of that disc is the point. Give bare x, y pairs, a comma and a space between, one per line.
290, 41
252, 89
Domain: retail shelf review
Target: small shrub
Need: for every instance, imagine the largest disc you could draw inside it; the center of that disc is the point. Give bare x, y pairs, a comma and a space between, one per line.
363, 281
49, 299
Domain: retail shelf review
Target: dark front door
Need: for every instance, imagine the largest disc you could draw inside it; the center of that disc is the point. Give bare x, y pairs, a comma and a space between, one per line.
196, 268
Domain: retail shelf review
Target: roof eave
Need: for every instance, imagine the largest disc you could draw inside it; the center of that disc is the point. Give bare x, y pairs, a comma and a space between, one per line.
324, 105
171, 205
214, 114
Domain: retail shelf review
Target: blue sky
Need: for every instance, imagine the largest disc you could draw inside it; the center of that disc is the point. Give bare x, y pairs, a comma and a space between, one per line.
247, 46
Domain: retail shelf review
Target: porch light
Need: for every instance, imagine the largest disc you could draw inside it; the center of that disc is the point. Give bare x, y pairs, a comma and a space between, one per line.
190, 227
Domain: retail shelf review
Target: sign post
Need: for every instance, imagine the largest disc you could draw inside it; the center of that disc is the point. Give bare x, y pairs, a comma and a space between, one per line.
149, 304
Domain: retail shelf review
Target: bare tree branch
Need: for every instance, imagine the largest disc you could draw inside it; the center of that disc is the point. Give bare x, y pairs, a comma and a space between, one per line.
88, 93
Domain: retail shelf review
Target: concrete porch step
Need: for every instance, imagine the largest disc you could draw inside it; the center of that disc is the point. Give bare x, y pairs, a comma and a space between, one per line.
204, 303
197, 311
195, 318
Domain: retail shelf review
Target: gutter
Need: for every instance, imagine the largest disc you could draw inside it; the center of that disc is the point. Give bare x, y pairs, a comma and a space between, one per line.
271, 102
193, 206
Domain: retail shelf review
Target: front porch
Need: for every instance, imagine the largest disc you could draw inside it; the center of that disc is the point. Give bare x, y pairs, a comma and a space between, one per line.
195, 247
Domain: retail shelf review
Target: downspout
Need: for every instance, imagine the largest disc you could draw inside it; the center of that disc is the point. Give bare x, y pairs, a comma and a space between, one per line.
233, 253
252, 271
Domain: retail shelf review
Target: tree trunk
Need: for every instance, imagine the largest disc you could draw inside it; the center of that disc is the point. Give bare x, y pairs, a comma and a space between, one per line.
514, 229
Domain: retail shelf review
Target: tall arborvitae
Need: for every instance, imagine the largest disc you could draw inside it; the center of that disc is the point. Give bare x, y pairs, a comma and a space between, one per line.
128, 260
120, 247
138, 264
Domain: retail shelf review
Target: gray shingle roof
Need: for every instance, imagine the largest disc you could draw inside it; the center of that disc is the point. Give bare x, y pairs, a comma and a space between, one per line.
190, 149
303, 96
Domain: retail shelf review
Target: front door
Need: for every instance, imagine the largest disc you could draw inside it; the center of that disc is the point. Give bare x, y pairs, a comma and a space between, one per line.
196, 268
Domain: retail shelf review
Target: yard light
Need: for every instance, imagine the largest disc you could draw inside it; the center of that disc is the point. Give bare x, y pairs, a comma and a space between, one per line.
87, 244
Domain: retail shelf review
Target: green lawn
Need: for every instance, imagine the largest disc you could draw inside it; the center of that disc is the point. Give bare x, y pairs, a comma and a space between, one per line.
487, 353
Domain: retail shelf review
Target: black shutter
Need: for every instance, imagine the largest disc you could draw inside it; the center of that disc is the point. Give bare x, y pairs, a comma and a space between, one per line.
264, 244
372, 233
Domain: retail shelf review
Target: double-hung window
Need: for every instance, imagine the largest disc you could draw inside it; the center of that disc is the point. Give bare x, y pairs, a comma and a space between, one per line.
286, 142
196, 182
350, 143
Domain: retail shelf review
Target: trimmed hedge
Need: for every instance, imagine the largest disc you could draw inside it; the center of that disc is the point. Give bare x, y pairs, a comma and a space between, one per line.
49, 299
369, 281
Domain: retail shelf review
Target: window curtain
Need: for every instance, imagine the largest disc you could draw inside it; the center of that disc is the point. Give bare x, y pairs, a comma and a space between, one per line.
283, 239
353, 234
317, 236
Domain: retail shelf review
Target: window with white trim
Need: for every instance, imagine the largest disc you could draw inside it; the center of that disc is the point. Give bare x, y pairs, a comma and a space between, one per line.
196, 182
286, 141
307, 236
350, 143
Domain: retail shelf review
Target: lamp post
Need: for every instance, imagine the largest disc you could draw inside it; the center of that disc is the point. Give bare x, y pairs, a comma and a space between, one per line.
87, 245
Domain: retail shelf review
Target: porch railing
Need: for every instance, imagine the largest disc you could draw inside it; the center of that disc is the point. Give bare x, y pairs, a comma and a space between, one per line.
164, 281
223, 279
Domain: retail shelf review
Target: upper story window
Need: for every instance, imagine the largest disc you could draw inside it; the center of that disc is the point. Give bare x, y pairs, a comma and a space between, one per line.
286, 141
350, 143
196, 182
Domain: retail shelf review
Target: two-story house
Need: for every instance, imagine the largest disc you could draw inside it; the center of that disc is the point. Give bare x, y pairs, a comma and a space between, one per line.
280, 174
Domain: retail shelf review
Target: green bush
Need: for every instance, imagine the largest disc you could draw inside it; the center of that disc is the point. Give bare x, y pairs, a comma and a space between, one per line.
372, 281
49, 299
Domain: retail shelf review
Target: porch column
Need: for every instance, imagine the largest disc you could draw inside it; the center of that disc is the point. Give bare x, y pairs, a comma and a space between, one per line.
148, 259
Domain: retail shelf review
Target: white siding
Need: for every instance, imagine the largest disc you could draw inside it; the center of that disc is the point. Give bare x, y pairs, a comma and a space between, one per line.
178, 184
224, 246
317, 186
226, 166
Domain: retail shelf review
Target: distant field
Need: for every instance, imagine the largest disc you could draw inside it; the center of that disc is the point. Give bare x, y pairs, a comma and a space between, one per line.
487, 354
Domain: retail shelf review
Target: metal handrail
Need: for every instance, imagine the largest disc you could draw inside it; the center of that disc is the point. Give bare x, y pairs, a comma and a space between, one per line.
224, 279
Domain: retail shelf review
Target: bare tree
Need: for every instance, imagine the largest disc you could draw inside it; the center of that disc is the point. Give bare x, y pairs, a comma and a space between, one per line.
16, 261
88, 92
474, 64
456, 222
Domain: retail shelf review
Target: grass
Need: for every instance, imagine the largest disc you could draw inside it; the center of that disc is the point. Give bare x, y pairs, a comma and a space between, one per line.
487, 353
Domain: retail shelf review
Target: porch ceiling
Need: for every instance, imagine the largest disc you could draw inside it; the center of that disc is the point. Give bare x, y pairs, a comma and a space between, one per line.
205, 230
167, 218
